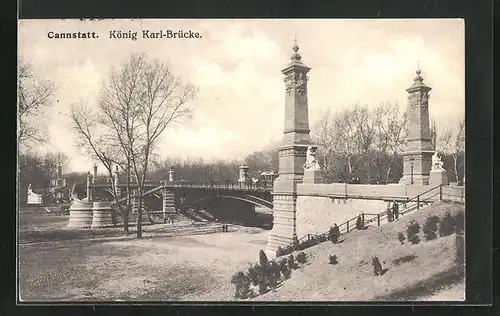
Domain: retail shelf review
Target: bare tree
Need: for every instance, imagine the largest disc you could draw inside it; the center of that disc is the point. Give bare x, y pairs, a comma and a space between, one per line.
452, 142
391, 131
365, 121
34, 96
345, 134
324, 135
91, 136
138, 102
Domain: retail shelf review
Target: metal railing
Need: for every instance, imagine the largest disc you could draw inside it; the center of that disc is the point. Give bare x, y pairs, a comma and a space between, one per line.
198, 185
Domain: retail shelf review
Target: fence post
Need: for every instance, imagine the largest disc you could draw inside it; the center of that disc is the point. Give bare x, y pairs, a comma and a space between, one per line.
363, 219
418, 202
346, 190
308, 237
347, 226
440, 192
378, 219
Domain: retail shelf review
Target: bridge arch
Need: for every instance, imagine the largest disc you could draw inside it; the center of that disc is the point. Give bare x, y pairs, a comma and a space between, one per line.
247, 198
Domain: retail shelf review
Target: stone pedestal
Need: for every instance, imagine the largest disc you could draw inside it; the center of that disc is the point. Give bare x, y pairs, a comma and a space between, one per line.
313, 176
243, 176
101, 215
438, 177
80, 214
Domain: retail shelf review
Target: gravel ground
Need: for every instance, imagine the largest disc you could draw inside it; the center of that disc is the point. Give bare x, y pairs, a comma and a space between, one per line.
171, 262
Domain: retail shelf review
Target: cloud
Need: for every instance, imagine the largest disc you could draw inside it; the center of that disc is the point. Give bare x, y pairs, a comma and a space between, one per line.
236, 67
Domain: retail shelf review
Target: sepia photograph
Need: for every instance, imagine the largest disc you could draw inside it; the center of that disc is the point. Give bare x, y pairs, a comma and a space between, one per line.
241, 160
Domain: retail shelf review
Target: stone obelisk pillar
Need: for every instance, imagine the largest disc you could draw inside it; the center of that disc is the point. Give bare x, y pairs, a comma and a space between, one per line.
417, 157
291, 153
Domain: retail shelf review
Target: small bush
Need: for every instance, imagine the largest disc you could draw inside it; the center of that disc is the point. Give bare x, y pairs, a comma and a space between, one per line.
282, 263
412, 231
404, 259
322, 238
377, 267
430, 227
286, 272
263, 258
401, 238
242, 285
301, 257
279, 252
291, 263
459, 221
273, 275
446, 226
253, 274
262, 288
359, 223
333, 259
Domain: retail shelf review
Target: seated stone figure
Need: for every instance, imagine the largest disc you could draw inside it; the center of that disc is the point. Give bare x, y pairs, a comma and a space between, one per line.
437, 163
311, 162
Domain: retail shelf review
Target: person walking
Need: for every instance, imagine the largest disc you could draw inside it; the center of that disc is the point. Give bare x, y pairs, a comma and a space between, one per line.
390, 217
395, 210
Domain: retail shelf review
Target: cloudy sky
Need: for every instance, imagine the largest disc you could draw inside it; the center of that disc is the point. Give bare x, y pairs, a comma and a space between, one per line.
236, 66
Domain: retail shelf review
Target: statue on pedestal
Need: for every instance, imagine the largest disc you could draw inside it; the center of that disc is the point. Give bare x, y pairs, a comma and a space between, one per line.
311, 162
437, 163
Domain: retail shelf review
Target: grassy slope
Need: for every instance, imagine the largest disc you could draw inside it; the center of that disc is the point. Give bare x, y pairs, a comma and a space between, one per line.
432, 272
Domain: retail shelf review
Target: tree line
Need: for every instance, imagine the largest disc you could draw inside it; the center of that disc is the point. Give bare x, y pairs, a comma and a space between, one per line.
144, 97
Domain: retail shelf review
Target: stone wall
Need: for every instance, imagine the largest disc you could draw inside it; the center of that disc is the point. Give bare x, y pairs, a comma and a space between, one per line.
375, 191
316, 214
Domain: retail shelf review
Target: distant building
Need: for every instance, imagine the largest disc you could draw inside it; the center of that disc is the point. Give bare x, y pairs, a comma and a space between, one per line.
268, 176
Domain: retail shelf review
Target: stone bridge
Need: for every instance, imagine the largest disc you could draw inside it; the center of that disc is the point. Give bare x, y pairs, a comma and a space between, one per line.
181, 195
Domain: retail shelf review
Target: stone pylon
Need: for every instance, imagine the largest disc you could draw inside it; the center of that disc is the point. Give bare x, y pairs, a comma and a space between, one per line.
419, 150
291, 153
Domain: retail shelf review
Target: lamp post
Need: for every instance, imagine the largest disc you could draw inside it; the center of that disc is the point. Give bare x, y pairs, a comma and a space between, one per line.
412, 159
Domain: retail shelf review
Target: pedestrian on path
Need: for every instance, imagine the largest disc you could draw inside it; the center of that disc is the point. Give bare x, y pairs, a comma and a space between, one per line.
395, 210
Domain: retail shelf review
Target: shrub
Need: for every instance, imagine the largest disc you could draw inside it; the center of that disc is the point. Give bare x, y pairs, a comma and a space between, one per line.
359, 223
412, 231
291, 263
242, 285
273, 275
253, 274
459, 221
263, 258
279, 252
403, 259
262, 288
301, 257
446, 226
322, 238
377, 267
401, 238
282, 263
430, 227
333, 259
286, 272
